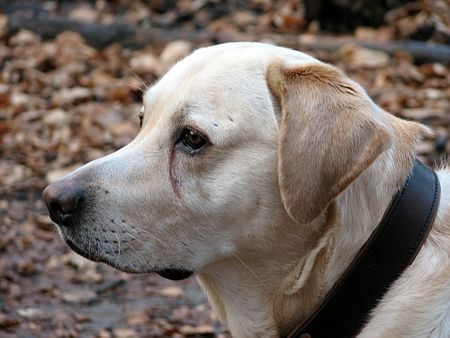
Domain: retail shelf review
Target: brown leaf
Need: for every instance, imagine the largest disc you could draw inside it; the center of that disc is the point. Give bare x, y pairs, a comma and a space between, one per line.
56, 174
421, 113
71, 96
201, 330
144, 63
173, 52
34, 313
172, 291
8, 321
356, 57
79, 296
124, 333
140, 318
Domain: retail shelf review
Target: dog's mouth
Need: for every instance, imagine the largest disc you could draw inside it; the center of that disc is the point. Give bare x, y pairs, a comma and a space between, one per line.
175, 274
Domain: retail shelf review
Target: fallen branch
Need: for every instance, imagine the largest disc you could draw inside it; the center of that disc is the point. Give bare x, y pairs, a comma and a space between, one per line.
421, 51
101, 35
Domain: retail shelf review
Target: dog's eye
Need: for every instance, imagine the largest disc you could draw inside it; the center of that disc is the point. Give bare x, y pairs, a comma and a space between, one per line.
141, 116
193, 139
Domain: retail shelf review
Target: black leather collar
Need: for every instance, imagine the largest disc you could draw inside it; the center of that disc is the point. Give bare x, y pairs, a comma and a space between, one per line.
388, 252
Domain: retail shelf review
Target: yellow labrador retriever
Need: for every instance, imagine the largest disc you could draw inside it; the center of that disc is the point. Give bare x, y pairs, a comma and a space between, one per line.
263, 171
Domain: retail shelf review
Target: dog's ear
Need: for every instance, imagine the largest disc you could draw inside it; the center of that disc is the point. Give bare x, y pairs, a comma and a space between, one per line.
329, 133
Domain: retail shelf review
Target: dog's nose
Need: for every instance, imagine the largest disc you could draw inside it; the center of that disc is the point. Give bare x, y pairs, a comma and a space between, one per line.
62, 198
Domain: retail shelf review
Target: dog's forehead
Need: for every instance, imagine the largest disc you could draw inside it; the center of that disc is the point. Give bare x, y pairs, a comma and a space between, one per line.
219, 80
228, 62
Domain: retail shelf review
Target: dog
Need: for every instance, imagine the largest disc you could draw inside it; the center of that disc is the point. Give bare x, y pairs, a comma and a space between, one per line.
262, 171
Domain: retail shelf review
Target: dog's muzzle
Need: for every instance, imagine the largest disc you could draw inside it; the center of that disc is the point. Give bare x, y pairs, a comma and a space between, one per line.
67, 200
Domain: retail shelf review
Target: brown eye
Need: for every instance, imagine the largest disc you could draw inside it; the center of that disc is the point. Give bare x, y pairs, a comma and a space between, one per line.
193, 139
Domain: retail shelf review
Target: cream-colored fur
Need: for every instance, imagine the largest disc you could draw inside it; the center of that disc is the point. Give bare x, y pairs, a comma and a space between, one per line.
300, 168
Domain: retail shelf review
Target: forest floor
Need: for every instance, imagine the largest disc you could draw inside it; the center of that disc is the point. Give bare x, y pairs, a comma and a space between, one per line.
64, 102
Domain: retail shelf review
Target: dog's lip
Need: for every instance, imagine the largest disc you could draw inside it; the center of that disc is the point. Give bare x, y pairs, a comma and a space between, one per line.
175, 274
75, 248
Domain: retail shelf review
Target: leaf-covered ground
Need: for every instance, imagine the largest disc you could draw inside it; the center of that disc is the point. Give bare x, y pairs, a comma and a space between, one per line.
63, 103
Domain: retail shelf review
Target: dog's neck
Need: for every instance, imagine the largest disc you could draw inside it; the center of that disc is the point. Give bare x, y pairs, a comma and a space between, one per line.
267, 293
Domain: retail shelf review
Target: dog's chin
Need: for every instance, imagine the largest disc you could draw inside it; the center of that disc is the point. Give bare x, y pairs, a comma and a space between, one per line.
172, 274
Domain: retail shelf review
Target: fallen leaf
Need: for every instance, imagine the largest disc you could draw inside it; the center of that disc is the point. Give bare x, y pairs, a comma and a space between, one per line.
8, 321
358, 57
79, 297
56, 174
173, 52
172, 291
32, 313
201, 330
124, 333
421, 113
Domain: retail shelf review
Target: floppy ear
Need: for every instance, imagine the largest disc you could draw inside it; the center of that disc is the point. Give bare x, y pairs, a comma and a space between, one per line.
329, 133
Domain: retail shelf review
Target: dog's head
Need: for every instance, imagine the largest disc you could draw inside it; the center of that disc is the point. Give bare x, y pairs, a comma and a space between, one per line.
235, 139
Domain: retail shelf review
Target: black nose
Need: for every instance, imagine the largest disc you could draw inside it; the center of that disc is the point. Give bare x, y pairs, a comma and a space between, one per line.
62, 198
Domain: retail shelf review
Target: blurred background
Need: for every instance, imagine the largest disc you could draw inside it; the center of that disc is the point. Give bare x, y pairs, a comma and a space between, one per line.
71, 80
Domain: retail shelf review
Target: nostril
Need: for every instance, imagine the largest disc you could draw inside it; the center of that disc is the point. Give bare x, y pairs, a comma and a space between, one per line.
62, 199
54, 207
69, 202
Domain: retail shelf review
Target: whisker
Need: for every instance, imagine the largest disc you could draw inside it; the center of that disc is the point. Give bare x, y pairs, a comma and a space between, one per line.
118, 240
149, 234
141, 89
274, 233
137, 77
140, 241
113, 252
251, 271
111, 247
89, 247
138, 258
97, 251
